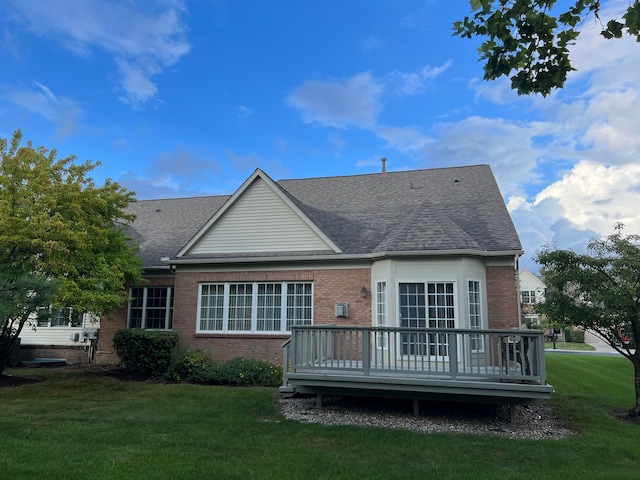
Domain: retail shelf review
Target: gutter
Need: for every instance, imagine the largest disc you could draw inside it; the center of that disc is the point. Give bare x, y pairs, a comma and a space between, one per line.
343, 257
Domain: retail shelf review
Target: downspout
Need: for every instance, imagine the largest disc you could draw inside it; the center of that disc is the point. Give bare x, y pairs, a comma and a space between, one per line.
517, 267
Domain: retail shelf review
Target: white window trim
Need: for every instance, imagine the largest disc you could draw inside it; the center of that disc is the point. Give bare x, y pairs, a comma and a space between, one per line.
481, 312
254, 308
383, 340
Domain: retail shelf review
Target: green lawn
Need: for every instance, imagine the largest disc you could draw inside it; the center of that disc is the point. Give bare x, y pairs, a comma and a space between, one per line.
82, 425
570, 346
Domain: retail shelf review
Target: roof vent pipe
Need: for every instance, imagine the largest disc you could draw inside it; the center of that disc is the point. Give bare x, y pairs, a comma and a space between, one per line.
384, 166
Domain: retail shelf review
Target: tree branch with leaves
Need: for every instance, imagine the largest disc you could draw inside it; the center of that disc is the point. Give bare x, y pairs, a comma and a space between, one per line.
528, 40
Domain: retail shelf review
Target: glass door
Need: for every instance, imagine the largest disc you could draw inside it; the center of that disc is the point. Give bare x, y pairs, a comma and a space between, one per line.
423, 305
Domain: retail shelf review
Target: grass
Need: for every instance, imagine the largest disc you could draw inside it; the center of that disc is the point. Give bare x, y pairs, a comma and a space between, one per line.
79, 424
570, 346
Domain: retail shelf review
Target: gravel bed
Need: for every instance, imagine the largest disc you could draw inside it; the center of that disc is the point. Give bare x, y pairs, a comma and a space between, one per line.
534, 423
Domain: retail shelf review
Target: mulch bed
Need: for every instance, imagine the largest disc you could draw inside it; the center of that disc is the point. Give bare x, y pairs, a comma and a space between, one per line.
15, 381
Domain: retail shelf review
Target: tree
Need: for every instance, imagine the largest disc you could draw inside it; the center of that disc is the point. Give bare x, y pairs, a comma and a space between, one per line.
531, 39
598, 291
21, 296
57, 225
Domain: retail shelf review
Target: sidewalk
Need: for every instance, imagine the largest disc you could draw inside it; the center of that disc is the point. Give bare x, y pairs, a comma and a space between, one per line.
601, 348
600, 345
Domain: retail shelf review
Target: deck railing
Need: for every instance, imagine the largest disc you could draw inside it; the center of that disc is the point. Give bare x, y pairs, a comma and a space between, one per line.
455, 354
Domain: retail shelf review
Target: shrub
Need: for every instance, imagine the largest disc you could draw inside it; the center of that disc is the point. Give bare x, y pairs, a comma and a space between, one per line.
573, 335
577, 336
248, 372
197, 367
568, 335
192, 366
145, 352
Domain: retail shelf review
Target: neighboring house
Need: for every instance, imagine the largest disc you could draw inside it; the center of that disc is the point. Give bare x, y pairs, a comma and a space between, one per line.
532, 289
65, 335
232, 274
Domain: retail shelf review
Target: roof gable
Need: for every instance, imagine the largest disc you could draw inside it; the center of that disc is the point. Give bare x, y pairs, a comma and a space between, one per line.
259, 217
529, 281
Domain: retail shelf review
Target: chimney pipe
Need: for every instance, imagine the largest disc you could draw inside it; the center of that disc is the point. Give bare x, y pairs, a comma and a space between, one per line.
384, 166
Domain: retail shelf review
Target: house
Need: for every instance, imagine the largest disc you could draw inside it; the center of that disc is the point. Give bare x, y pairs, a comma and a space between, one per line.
232, 275
532, 290
65, 336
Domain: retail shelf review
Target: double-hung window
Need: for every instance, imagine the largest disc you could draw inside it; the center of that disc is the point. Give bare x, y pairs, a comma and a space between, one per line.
257, 307
151, 308
528, 296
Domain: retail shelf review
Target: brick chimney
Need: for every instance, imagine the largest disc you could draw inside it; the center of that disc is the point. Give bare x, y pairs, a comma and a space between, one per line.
384, 166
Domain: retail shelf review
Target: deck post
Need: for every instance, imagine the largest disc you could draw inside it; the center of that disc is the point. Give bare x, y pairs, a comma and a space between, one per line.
319, 400
416, 407
286, 368
453, 355
366, 351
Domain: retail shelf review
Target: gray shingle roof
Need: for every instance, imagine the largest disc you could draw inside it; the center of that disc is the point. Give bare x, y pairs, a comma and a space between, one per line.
444, 209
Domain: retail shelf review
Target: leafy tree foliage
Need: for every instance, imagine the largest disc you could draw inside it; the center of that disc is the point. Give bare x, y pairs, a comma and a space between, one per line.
56, 224
599, 291
20, 297
531, 38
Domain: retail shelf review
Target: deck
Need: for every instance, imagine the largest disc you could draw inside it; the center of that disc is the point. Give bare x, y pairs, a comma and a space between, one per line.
497, 366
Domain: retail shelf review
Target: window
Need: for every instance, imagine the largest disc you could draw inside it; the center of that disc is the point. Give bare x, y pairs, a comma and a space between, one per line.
151, 308
381, 313
265, 307
528, 296
475, 315
64, 317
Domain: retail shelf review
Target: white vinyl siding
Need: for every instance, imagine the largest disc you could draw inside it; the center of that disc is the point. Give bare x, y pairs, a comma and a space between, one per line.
257, 307
63, 335
260, 222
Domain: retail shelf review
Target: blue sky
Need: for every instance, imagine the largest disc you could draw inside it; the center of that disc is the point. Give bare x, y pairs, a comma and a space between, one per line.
187, 98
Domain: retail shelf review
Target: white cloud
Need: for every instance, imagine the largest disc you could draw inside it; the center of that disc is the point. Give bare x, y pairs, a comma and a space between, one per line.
179, 172
243, 112
244, 162
372, 43
357, 102
352, 102
509, 147
403, 139
596, 196
414, 83
144, 38
62, 111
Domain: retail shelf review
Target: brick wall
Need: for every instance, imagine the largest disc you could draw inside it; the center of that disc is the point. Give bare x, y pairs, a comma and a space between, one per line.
117, 320
72, 355
502, 297
329, 287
